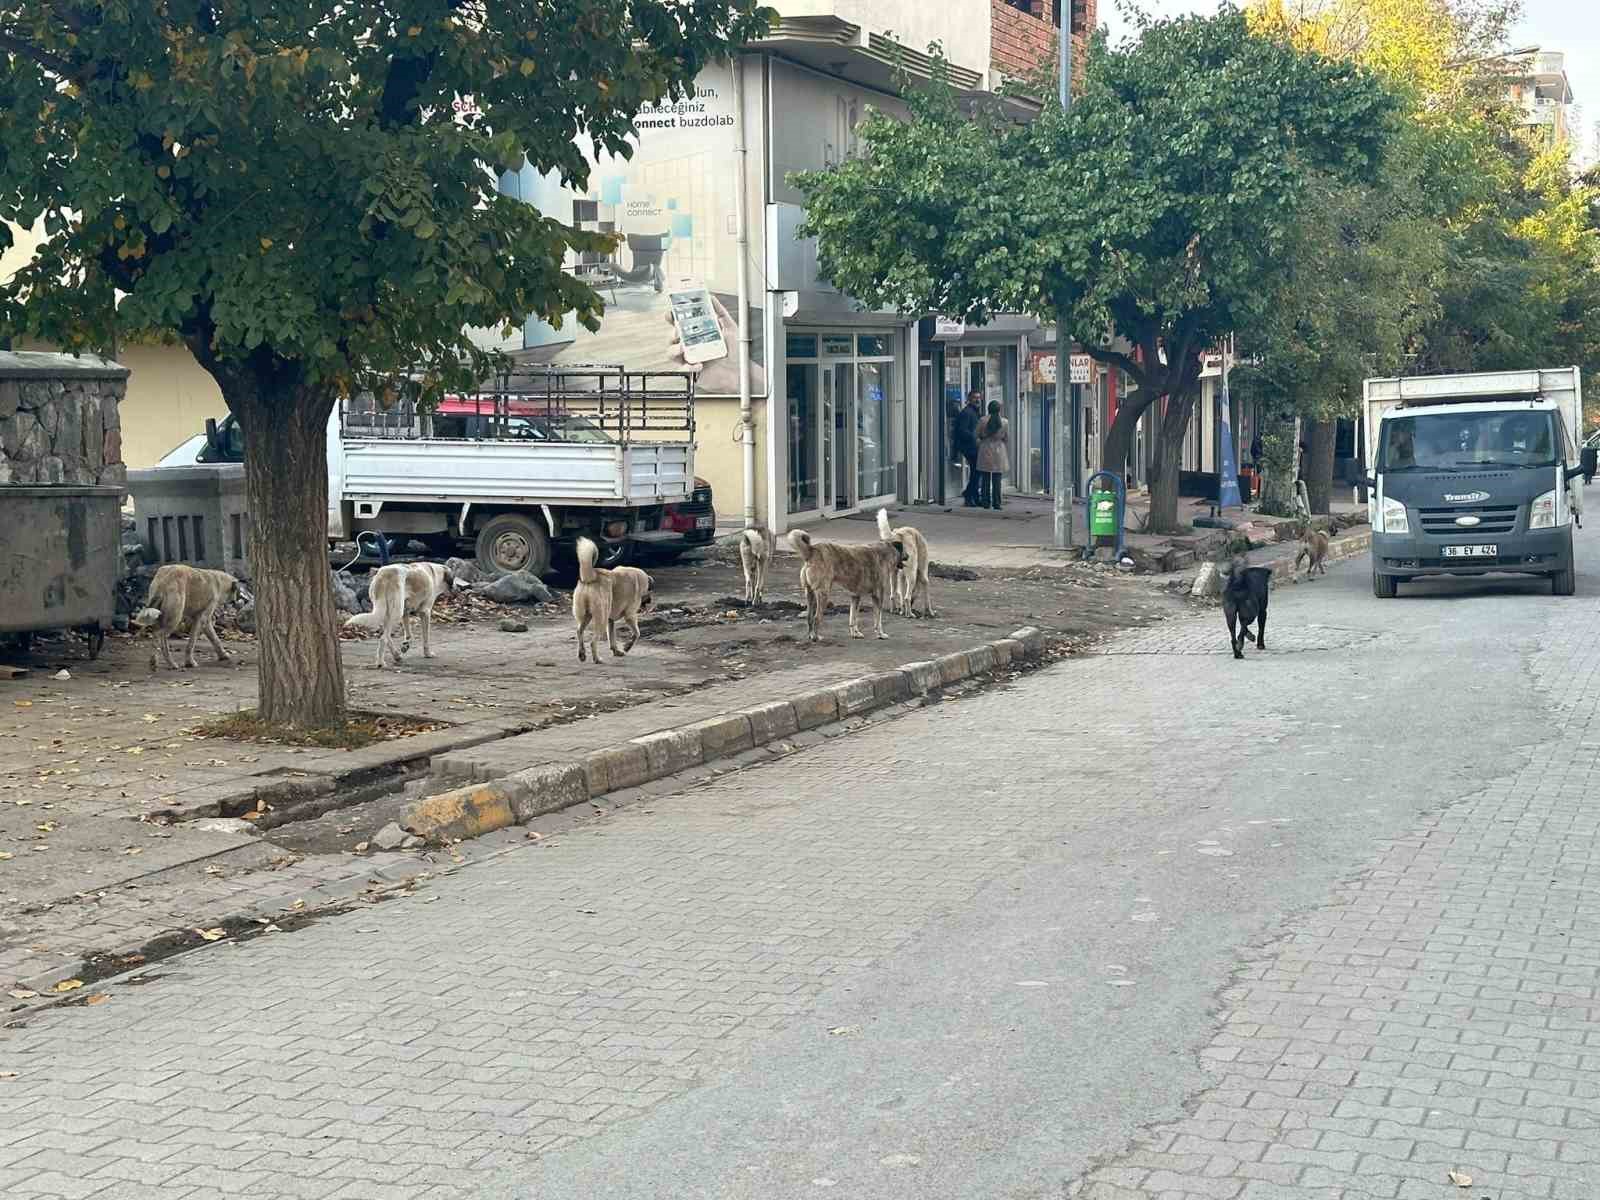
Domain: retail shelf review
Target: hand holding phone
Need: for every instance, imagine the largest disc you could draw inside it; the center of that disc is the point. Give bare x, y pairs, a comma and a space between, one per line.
698, 319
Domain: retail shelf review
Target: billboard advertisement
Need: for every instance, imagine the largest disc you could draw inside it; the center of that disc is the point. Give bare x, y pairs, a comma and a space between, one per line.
670, 287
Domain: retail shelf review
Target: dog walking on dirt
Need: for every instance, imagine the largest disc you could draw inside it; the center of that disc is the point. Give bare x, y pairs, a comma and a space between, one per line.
605, 596
911, 580
399, 592
867, 570
756, 547
1313, 551
180, 593
1244, 602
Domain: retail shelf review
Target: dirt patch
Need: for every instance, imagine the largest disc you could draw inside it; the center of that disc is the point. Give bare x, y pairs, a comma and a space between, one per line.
359, 729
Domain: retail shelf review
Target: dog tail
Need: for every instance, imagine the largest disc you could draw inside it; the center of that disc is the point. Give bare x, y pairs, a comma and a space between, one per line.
801, 541
366, 620
884, 532
145, 618
588, 555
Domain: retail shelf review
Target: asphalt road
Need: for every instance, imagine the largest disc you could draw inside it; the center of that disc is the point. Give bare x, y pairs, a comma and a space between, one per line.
1152, 923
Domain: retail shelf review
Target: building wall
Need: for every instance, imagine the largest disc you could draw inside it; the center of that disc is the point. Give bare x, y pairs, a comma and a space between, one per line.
814, 118
169, 398
961, 27
1023, 36
719, 460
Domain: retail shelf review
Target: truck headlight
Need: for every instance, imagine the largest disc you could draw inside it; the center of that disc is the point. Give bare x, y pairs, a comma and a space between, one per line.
1542, 515
1393, 518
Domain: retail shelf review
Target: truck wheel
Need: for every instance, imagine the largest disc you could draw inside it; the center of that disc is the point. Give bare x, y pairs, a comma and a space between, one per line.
513, 542
1564, 583
1384, 587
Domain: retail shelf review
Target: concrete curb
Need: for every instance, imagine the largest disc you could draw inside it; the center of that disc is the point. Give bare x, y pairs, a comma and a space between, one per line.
479, 808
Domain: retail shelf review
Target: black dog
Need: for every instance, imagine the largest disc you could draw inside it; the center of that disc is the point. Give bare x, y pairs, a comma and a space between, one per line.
1244, 601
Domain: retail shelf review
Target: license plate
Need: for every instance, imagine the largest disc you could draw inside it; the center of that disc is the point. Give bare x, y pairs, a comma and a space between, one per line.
705, 522
1471, 551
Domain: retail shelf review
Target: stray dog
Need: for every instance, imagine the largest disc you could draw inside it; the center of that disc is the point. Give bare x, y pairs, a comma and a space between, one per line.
604, 597
399, 592
632, 591
755, 555
1314, 550
861, 570
1244, 600
180, 593
912, 579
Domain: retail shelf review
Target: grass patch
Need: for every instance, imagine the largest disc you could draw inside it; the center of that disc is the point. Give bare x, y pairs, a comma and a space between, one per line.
359, 729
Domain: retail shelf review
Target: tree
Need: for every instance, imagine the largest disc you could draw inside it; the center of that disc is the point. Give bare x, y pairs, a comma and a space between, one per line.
304, 194
1154, 210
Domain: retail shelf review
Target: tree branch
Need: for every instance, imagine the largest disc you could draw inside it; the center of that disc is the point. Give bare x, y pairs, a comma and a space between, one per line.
50, 62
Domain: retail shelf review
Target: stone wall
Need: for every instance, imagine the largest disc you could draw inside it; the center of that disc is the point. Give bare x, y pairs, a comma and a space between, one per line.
58, 419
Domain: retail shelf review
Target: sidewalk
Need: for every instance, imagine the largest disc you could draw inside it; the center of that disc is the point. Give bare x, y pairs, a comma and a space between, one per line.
120, 826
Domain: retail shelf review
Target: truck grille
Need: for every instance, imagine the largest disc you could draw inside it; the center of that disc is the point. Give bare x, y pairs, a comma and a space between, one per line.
1492, 518
699, 501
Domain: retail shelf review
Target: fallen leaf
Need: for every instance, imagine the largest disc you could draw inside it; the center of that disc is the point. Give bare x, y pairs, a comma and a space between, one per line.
46, 827
6, 855
213, 935
8, 1074
151, 717
68, 985
213, 870
22, 994
23, 703
133, 850
97, 998
361, 847
298, 904
1461, 1179
39, 848
136, 750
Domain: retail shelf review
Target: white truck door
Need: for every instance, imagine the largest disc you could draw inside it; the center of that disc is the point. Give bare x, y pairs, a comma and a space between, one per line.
335, 452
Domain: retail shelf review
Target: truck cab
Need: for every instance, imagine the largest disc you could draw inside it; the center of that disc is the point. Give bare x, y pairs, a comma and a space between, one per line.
1474, 475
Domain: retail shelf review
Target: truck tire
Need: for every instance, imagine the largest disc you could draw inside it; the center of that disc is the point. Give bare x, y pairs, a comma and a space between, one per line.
1384, 587
1565, 583
512, 542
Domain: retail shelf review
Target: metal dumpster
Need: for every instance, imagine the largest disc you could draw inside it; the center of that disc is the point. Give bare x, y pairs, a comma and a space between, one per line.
60, 556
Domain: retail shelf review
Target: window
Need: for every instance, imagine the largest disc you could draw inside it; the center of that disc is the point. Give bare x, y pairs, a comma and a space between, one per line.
802, 345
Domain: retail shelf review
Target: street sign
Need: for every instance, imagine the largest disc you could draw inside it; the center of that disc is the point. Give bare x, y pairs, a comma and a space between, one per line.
1043, 363
947, 329
1082, 367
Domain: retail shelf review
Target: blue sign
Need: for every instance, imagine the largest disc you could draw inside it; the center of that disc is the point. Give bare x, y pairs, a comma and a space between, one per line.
1228, 491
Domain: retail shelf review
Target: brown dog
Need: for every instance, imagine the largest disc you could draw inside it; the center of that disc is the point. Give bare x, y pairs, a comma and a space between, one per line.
180, 593
861, 570
604, 597
632, 591
1313, 551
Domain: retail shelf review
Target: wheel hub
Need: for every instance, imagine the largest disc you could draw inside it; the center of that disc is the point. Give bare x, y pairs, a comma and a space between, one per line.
511, 551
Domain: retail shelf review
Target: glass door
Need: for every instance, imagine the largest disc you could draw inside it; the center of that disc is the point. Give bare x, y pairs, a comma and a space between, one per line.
805, 427
845, 448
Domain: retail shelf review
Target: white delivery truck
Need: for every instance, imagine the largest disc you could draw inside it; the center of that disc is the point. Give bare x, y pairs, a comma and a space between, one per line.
1473, 475
536, 459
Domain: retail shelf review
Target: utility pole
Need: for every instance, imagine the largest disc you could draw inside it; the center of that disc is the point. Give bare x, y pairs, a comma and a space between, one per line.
1066, 406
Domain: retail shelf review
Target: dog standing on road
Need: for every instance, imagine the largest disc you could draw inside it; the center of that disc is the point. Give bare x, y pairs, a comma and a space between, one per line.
756, 547
604, 597
1244, 601
180, 593
861, 570
632, 591
1313, 551
911, 580
399, 592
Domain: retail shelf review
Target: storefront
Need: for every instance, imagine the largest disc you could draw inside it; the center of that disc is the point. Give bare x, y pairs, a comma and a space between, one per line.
846, 420
990, 361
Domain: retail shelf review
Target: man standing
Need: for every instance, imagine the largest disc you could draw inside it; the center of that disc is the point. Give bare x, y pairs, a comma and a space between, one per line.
966, 443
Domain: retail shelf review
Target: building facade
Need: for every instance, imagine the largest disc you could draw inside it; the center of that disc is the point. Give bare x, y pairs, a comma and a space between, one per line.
850, 406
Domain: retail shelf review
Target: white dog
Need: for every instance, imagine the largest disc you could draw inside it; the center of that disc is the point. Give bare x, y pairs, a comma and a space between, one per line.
756, 547
911, 580
399, 592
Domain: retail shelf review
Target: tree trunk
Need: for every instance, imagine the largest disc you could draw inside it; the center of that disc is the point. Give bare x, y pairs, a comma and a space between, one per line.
286, 481
1278, 461
1321, 438
1165, 476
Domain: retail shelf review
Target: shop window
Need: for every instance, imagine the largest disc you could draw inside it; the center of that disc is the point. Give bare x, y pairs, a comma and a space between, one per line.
874, 345
802, 345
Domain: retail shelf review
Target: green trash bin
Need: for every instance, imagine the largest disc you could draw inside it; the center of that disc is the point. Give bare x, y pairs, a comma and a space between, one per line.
1102, 514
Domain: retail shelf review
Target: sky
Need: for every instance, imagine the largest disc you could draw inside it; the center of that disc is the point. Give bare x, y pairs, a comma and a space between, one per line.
1566, 25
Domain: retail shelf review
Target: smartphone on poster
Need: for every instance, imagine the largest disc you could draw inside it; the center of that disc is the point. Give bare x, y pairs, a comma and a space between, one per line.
695, 316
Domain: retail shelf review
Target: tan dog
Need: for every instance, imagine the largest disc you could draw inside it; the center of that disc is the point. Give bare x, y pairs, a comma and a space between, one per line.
1313, 551
861, 570
399, 592
180, 593
602, 598
911, 580
756, 547
632, 591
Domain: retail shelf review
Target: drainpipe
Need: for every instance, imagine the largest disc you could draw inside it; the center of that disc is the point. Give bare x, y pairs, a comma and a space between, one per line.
747, 423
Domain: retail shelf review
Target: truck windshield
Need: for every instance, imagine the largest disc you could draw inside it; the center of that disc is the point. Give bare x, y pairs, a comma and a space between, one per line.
1457, 441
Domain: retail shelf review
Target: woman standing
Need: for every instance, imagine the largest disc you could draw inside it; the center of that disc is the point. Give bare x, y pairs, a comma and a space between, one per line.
994, 455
